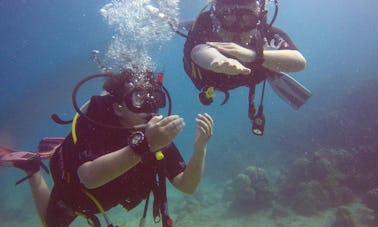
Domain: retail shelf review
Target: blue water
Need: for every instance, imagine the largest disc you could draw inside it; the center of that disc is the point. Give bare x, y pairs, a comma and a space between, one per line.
45, 46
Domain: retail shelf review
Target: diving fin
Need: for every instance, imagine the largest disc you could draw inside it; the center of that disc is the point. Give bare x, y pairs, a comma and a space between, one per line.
7, 155
46, 149
288, 89
30, 162
48, 145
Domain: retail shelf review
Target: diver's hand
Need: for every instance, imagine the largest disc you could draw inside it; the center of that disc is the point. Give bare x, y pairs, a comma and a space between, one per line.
161, 132
229, 66
241, 53
205, 127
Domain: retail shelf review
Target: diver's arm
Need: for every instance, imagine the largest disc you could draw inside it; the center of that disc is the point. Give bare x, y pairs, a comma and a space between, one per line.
284, 60
93, 174
277, 60
188, 180
211, 59
159, 133
203, 55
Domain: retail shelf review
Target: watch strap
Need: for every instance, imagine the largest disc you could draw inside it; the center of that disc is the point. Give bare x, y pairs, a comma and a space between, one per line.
143, 150
142, 146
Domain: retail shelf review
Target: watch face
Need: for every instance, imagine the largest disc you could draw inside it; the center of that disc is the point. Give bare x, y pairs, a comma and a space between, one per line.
136, 139
138, 143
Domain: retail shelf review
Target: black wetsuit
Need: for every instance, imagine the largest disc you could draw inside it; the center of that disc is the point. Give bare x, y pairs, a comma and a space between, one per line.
129, 189
204, 31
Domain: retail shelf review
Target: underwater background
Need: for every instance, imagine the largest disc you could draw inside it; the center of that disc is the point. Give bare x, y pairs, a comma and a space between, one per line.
316, 166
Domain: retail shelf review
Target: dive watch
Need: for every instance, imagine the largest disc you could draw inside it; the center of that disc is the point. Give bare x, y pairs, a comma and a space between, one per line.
138, 143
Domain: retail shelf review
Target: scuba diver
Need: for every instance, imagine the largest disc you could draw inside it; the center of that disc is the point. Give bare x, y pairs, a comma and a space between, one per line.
118, 152
232, 45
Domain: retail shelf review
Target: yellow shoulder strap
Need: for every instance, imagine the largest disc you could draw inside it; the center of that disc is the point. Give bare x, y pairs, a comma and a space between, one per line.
73, 128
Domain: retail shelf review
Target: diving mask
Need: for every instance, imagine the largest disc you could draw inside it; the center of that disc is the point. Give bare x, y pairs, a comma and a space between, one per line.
238, 19
140, 100
236, 15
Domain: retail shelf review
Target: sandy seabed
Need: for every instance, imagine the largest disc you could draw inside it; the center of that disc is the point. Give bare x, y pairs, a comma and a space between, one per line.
215, 214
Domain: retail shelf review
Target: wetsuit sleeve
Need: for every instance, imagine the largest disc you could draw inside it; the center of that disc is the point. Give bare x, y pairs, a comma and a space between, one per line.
278, 35
175, 164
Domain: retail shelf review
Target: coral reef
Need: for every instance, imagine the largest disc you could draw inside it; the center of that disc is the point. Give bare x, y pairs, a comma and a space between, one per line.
329, 178
362, 175
279, 211
249, 191
200, 199
371, 199
343, 218
362, 215
314, 183
310, 197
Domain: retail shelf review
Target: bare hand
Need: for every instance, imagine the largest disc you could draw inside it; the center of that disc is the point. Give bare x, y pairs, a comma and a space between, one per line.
241, 53
161, 132
229, 66
205, 127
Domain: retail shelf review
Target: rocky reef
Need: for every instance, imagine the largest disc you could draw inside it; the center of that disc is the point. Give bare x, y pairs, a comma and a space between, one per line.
313, 184
343, 218
331, 178
249, 191
371, 199
327, 179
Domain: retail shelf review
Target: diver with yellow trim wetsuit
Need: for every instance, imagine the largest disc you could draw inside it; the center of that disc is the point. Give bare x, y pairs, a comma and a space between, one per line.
109, 158
231, 45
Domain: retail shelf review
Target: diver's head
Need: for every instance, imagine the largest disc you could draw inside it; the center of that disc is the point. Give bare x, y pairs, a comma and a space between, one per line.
136, 95
237, 15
